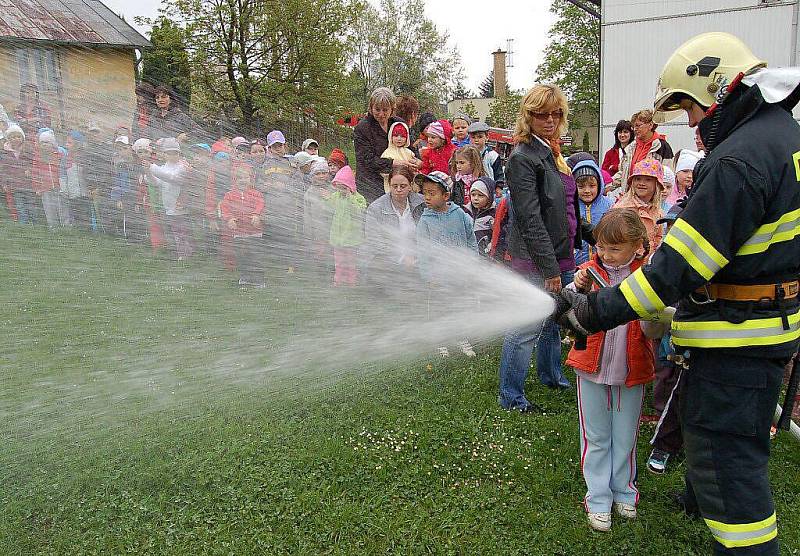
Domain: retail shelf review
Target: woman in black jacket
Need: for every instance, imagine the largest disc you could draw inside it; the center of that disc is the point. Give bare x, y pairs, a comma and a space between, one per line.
538, 231
370, 139
167, 119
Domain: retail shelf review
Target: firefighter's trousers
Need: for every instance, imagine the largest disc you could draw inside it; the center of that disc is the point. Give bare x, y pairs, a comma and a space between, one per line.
728, 400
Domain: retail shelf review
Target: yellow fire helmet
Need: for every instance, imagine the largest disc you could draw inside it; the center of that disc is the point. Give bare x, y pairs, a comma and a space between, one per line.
701, 69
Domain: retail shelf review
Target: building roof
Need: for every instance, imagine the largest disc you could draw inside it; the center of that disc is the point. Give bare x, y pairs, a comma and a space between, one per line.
66, 21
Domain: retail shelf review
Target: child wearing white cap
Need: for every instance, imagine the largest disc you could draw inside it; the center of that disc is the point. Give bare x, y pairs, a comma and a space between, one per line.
311, 147
46, 174
684, 169
171, 176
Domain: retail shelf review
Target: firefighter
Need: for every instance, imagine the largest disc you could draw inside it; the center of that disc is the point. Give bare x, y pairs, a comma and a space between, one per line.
731, 263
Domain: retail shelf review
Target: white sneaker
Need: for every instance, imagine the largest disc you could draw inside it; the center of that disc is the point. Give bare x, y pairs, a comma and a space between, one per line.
443, 351
625, 510
466, 348
599, 521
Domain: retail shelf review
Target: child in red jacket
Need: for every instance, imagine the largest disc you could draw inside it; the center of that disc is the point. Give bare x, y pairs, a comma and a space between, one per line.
242, 209
16, 162
436, 157
611, 374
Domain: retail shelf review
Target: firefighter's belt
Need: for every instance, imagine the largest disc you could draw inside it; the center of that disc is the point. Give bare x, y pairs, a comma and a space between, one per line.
758, 292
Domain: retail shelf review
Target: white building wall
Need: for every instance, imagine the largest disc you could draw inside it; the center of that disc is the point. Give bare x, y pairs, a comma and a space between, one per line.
639, 37
456, 106
627, 10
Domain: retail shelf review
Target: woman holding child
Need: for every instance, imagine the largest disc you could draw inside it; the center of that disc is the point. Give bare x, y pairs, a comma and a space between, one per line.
370, 139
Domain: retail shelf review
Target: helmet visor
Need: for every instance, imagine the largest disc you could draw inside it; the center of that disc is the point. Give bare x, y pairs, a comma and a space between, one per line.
674, 102
671, 105
660, 117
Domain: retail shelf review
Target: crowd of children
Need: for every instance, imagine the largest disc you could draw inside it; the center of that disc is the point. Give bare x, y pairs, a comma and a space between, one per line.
253, 205
247, 200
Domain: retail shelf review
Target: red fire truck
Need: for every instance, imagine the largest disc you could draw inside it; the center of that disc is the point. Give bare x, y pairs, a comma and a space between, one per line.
502, 140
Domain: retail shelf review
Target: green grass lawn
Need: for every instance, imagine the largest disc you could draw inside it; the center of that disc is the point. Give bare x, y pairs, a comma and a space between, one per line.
134, 420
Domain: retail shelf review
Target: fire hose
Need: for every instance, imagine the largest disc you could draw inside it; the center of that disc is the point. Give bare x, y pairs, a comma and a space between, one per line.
783, 415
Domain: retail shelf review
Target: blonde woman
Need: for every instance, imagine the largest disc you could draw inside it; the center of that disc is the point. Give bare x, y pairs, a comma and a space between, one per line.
541, 236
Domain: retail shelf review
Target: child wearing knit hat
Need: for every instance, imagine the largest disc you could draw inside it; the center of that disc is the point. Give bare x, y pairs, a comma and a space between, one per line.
15, 177
317, 216
336, 161
481, 208
461, 125
399, 141
436, 158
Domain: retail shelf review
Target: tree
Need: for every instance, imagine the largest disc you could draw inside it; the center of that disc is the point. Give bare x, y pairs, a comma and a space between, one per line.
266, 58
168, 61
397, 46
503, 111
486, 88
572, 61
460, 91
469, 109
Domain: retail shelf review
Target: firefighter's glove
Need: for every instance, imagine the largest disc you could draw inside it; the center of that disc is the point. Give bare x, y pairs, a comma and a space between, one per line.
573, 311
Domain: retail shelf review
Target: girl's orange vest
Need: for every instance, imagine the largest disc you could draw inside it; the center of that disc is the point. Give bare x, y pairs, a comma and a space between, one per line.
641, 356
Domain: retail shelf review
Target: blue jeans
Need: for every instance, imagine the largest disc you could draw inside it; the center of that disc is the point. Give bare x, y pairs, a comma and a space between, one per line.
518, 347
548, 351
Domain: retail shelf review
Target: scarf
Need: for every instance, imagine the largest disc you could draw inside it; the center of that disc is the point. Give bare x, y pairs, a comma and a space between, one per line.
676, 194
643, 150
466, 178
561, 164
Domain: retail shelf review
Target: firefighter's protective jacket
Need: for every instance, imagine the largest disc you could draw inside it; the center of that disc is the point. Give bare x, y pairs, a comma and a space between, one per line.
741, 225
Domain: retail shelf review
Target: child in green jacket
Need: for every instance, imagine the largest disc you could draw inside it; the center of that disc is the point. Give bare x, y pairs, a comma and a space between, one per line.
347, 227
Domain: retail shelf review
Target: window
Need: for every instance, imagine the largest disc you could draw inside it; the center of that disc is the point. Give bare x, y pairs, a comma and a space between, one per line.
39, 66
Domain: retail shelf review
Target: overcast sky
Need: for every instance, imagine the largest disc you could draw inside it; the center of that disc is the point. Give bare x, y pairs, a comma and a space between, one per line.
477, 27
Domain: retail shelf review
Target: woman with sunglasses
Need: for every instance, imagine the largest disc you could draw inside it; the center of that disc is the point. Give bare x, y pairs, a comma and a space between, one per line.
542, 233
